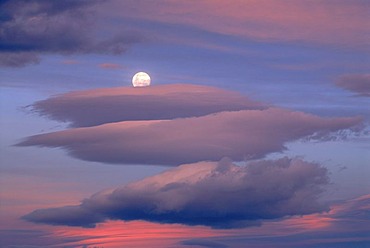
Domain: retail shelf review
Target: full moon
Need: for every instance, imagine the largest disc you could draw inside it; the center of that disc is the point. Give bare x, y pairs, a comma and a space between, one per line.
141, 79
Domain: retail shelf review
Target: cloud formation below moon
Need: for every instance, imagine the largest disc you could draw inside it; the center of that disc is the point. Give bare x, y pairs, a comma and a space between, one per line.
158, 102
239, 135
215, 194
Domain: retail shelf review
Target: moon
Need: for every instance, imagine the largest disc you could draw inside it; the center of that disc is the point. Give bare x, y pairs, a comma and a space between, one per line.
141, 79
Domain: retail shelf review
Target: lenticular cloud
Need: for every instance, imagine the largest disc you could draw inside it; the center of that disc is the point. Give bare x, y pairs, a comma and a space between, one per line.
216, 194
239, 135
159, 102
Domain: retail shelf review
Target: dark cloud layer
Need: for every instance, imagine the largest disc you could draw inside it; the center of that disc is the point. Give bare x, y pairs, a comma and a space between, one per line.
95, 107
215, 194
239, 135
26, 238
31, 28
347, 224
203, 243
357, 83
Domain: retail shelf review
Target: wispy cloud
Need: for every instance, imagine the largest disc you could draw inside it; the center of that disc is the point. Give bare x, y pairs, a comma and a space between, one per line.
70, 62
342, 23
19, 59
110, 66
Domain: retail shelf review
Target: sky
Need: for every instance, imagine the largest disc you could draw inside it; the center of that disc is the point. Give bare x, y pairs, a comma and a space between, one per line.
254, 131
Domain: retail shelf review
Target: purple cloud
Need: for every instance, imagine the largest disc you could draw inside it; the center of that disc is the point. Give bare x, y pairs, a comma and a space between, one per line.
357, 83
215, 194
30, 28
98, 106
347, 224
237, 134
26, 238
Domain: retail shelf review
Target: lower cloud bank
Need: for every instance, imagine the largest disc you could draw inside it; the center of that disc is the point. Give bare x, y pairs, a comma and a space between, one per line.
347, 224
215, 194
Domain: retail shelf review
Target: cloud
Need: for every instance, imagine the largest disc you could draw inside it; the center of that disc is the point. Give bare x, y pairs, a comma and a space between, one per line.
26, 238
357, 83
70, 216
342, 23
354, 210
215, 194
347, 224
99, 106
203, 243
239, 135
110, 66
19, 59
40, 27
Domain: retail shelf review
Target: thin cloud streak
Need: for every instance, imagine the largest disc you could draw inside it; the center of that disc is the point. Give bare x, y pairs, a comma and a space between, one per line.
111, 66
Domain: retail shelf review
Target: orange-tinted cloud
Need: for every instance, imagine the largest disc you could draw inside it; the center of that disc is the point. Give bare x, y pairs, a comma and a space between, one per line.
338, 227
133, 234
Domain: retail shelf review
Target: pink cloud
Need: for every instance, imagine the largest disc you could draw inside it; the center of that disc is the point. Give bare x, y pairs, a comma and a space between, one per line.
236, 134
98, 106
341, 22
357, 83
325, 229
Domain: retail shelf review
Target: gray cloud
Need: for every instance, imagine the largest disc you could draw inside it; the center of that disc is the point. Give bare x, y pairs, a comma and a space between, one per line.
99, 106
215, 194
63, 27
26, 238
347, 225
18, 59
357, 83
237, 134
203, 243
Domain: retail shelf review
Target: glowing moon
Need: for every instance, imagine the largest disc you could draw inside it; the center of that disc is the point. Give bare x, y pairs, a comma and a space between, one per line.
141, 79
